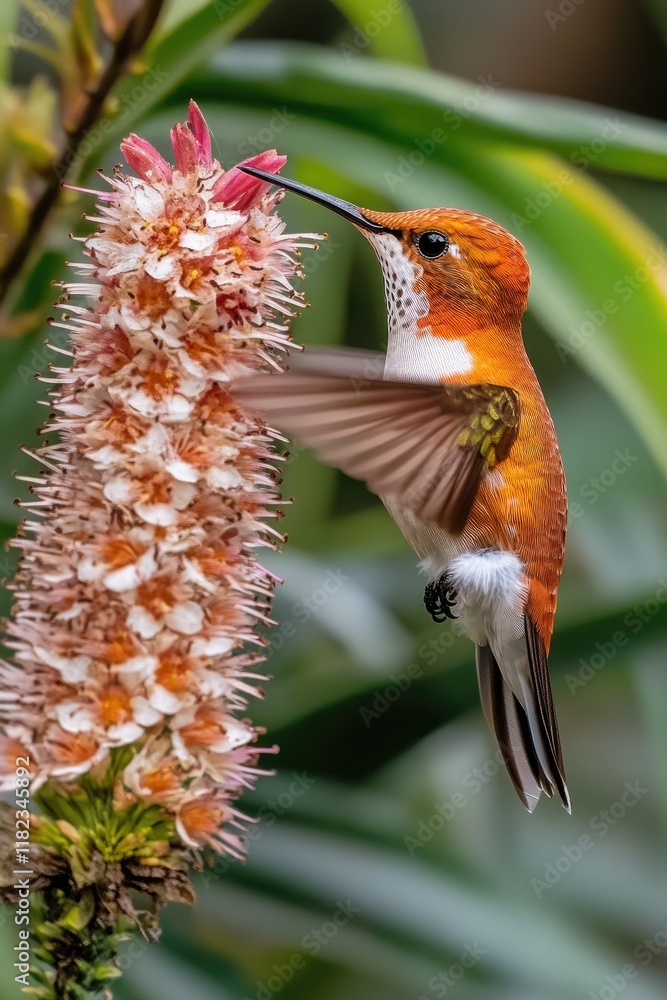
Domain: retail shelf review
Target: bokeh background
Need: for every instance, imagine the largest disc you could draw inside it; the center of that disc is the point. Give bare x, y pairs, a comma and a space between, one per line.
392, 859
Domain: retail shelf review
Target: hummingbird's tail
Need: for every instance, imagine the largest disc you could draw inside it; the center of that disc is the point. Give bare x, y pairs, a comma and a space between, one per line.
527, 737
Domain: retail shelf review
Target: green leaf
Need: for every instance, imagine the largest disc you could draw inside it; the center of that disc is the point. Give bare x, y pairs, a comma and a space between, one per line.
389, 32
415, 104
9, 30
433, 909
176, 12
659, 9
50, 20
651, 683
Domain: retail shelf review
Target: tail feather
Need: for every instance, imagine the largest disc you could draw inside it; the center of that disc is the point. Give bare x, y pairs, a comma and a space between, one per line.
544, 708
527, 737
507, 719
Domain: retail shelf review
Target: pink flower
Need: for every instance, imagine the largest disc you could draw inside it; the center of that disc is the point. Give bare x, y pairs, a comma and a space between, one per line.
138, 584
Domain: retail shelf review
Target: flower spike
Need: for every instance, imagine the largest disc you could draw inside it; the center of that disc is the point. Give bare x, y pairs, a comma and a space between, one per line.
139, 588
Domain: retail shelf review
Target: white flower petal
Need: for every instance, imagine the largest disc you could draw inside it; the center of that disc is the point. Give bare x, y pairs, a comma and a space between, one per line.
225, 220
118, 490
191, 386
137, 668
182, 471
162, 514
164, 701
205, 241
214, 646
225, 478
131, 259
153, 443
142, 622
106, 456
130, 576
124, 732
144, 713
73, 717
214, 685
148, 201
182, 494
125, 578
90, 568
236, 735
194, 575
186, 618
161, 268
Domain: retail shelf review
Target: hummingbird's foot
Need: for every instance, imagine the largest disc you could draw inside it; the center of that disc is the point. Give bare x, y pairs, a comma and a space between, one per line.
440, 599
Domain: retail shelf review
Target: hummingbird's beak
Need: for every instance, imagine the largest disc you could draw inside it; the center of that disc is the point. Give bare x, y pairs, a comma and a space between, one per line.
344, 208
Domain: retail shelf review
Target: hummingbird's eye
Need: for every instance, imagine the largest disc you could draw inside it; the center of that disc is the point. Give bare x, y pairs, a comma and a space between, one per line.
432, 244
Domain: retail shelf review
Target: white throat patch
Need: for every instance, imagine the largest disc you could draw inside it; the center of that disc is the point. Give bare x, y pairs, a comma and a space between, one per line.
414, 354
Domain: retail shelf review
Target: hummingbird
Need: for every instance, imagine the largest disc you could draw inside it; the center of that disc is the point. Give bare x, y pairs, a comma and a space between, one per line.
451, 429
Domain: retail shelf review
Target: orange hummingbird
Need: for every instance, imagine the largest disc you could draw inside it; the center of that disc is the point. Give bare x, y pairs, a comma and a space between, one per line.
451, 429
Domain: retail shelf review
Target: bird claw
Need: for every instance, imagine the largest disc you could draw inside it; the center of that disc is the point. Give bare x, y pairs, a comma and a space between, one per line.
440, 598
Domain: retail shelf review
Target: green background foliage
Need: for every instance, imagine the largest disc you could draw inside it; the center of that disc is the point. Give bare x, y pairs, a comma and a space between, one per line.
403, 815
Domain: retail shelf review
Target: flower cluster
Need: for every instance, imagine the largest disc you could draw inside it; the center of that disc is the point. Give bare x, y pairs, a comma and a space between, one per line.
138, 587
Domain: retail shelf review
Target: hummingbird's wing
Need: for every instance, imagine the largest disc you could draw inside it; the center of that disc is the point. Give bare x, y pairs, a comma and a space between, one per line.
425, 445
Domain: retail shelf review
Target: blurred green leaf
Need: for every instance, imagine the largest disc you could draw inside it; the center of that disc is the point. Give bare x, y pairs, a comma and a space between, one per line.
8, 26
659, 9
389, 32
432, 909
411, 103
651, 682
177, 11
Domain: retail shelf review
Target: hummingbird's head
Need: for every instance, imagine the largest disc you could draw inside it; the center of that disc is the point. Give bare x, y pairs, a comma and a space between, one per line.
443, 265
468, 265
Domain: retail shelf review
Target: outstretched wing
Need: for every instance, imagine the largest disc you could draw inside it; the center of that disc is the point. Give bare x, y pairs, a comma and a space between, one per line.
427, 446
